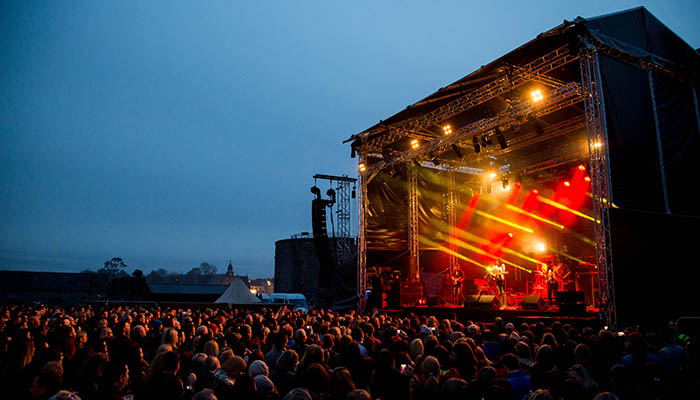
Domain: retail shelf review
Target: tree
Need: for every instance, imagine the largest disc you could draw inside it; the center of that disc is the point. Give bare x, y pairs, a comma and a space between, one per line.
207, 269
159, 275
113, 267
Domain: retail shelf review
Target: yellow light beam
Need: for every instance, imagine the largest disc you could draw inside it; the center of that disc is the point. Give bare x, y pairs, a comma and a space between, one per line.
451, 252
570, 257
503, 221
533, 216
565, 208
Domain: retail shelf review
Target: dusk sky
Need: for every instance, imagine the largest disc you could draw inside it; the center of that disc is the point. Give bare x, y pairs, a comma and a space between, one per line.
169, 133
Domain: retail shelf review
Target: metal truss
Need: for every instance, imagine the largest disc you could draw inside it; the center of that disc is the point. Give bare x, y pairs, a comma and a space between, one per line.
362, 243
530, 138
535, 69
557, 99
644, 63
452, 223
596, 128
343, 239
413, 243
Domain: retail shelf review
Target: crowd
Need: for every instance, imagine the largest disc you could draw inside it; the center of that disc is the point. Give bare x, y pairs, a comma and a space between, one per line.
165, 353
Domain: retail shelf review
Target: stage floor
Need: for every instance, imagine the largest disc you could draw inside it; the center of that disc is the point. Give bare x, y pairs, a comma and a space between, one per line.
511, 314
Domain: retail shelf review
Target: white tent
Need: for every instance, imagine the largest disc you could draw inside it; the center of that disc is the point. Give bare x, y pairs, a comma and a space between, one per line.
237, 293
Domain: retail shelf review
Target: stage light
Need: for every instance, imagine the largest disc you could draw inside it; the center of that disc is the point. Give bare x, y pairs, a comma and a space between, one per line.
510, 235
475, 141
597, 145
415, 144
254, 291
447, 129
567, 184
386, 155
538, 128
501, 140
540, 247
587, 179
458, 153
362, 167
582, 167
537, 95
504, 181
492, 175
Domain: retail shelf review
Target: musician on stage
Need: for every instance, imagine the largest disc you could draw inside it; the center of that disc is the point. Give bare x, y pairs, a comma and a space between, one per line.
457, 279
552, 283
497, 273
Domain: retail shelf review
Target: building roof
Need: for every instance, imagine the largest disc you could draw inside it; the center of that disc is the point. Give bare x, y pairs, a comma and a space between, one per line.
179, 289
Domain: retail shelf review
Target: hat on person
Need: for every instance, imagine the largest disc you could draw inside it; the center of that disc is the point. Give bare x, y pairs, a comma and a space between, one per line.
258, 367
264, 384
471, 329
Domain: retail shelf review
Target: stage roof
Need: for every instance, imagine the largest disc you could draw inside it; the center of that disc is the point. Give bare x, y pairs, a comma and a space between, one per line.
649, 82
635, 31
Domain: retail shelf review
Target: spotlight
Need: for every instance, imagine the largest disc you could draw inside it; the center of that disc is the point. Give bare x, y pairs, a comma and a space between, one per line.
597, 145
587, 179
538, 128
475, 141
537, 95
540, 247
504, 181
458, 153
567, 184
492, 175
510, 234
500, 139
447, 129
582, 167
415, 144
362, 167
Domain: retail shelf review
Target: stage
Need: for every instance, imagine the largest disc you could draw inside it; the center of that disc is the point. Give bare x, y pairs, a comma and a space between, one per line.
511, 314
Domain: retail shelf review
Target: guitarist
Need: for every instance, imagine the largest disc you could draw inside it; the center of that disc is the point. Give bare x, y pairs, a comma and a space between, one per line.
552, 282
497, 274
457, 279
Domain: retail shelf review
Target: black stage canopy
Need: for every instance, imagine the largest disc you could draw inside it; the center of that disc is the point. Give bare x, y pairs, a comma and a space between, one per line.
618, 93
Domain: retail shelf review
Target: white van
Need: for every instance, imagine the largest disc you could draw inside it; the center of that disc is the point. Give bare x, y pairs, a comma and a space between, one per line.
297, 300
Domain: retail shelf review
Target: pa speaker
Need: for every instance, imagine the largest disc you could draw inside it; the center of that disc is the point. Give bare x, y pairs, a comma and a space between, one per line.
533, 303
482, 302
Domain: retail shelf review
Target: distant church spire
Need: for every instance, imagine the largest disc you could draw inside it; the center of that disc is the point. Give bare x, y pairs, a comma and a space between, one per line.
229, 270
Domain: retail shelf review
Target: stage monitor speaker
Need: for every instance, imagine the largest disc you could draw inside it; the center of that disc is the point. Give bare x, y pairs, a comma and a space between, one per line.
533, 303
482, 302
571, 302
